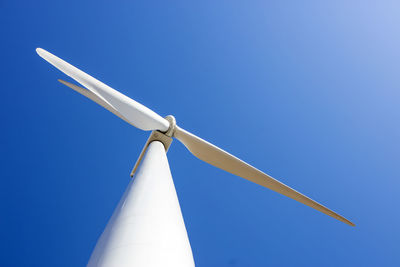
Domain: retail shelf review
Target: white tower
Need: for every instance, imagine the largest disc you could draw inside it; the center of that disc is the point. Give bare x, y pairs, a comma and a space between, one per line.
147, 228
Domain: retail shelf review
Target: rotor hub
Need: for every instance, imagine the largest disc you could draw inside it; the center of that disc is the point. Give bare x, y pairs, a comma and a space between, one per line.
172, 126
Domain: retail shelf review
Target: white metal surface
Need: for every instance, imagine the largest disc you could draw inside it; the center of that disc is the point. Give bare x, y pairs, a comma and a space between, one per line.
139, 115
154, 136
225, 161
147, 228
94, 98
145, 119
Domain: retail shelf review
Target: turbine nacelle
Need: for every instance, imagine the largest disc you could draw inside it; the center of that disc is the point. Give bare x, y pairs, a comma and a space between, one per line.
164, 129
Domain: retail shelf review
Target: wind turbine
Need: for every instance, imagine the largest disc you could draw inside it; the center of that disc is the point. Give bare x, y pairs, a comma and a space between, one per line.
147, 227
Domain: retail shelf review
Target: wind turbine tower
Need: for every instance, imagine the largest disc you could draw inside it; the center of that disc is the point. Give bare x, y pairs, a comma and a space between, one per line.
147, 227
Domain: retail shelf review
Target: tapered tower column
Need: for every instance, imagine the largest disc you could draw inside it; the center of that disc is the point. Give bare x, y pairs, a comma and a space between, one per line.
147, 227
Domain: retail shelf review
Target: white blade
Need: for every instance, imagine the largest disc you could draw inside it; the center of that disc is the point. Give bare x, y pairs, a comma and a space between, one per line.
137, 114
223, 160
94, 98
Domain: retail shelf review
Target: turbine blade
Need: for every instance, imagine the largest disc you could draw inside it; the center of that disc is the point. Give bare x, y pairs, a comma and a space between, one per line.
92, 96
137, 114
225, 161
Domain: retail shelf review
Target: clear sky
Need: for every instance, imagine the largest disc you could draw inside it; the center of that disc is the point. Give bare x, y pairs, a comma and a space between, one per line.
307, 91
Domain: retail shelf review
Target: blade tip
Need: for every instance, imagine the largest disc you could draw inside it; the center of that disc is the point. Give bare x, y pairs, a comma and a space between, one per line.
65, 83
44, 54
39, 51
348, 222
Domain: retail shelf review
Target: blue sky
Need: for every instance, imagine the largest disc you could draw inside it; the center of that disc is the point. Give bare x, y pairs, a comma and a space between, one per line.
307, 92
